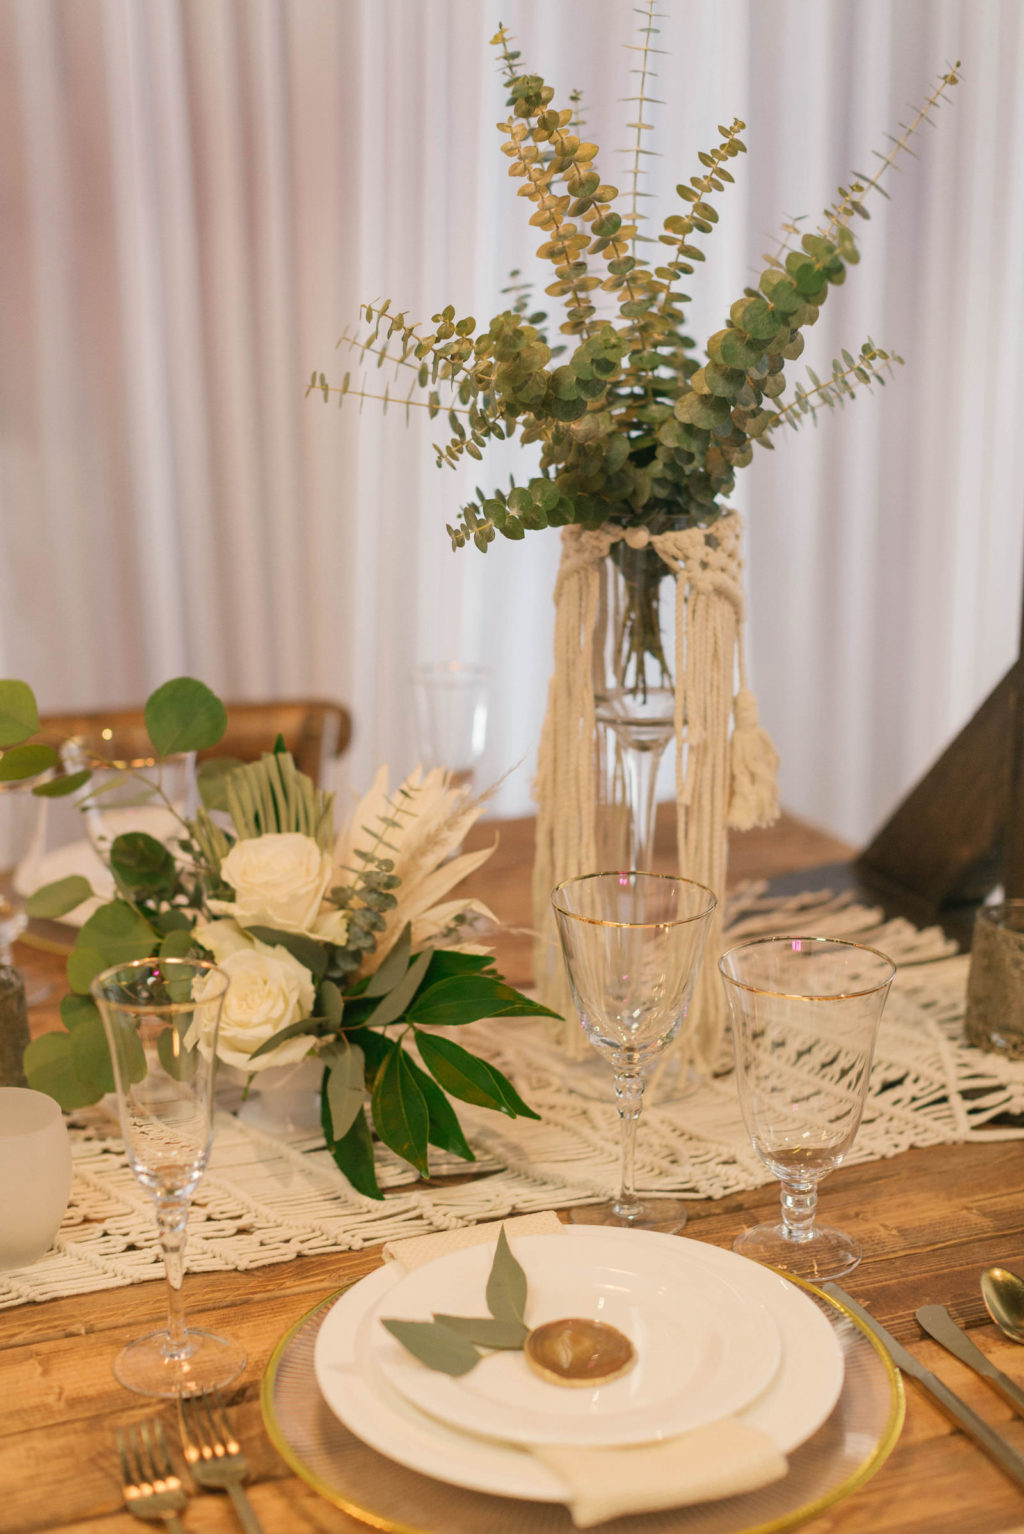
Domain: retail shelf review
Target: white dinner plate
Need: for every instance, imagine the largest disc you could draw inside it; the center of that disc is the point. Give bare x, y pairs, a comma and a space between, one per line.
795, 1404
704, 1345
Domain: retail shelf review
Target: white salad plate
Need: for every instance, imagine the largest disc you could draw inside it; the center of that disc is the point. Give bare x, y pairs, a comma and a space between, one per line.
704, 1345
792, 1406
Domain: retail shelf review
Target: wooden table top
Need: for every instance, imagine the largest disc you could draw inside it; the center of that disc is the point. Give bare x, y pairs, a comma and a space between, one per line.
930, 1221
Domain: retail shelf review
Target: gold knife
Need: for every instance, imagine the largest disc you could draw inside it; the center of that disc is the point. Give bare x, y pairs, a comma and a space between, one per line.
986, 1437
938, 1323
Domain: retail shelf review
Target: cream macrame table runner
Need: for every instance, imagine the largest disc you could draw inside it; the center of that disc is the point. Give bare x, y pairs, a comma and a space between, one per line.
263, 1200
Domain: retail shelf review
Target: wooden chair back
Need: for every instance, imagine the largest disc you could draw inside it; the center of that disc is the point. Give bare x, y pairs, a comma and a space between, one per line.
314, 731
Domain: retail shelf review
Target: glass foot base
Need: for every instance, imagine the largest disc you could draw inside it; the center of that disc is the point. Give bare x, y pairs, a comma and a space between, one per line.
211, 1363
664, 1214
824, 1254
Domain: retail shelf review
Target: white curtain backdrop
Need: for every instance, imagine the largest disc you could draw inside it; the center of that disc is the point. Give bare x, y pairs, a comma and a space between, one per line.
195, 197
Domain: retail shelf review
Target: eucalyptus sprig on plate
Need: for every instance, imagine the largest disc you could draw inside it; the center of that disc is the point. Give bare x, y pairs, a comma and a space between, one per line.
344, 947
453, 1344
568, 1351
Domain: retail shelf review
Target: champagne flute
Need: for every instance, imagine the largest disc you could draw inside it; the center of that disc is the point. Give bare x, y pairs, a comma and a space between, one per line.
22, 834
632, 944
805, 1014
161, 1018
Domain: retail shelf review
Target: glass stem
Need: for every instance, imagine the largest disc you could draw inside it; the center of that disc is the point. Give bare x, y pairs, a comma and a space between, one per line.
172, 1220
629, 1099
641, 763
799, 1205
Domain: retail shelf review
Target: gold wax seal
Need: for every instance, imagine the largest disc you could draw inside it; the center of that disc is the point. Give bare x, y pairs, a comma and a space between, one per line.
575, 1352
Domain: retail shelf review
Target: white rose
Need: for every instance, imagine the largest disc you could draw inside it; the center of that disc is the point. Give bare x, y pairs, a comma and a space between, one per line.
269, 989
279, 881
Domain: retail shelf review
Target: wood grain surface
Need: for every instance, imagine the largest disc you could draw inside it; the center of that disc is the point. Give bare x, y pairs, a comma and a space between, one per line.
930, 1220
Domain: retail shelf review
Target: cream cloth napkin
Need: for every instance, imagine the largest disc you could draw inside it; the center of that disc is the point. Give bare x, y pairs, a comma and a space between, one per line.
719, 1459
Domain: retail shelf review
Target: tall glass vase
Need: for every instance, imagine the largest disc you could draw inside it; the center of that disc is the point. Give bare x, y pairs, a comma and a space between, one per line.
634, 699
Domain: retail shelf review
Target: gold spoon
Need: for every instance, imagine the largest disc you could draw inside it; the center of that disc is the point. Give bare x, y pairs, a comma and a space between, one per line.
1003, 1293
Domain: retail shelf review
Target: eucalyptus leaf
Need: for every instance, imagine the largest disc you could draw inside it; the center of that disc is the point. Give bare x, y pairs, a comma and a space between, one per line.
173, 920
394, 966
63, 786
184, 715
90, 1058
19, 716
178, 943
60, 897
437, 1346
84, 964
506, 1284
114, 934
345, 1083
49, 1067
331, 1002
310, 1025
142, 863
486, 1331
19, 762
397, 1001
78, 1009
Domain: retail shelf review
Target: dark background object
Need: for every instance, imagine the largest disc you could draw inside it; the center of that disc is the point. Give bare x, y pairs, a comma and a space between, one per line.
960, 831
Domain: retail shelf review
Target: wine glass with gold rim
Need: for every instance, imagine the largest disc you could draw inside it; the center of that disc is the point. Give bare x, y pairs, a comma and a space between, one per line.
805, 1014
161, 1018
632, 944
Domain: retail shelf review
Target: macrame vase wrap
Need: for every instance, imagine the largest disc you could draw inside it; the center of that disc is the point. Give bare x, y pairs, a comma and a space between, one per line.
720, 781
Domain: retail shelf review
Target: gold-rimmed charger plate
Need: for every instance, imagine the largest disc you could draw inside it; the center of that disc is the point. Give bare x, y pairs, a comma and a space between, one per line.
844, 1453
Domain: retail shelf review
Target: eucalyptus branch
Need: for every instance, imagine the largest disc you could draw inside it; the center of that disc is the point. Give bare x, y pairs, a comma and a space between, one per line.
852, 198
318, 385
866, 369
632, 427
640, 100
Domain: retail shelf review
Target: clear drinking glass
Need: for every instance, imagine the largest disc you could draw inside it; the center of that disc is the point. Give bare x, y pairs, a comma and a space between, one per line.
161, 1018
22, 831
805, 1014
130, 789
451, 716
632, 944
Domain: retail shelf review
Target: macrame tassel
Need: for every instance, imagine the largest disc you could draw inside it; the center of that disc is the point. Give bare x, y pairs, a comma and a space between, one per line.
754, 800
566, 783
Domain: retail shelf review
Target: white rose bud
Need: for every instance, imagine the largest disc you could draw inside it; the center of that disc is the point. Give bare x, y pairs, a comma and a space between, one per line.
279, 880
269, 989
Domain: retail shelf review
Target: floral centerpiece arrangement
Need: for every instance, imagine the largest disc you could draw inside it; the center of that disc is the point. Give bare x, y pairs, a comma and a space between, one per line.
346, 946
640, 435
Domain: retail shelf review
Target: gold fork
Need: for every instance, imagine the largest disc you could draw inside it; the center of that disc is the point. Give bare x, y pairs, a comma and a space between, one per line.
213, 1454
151, 1488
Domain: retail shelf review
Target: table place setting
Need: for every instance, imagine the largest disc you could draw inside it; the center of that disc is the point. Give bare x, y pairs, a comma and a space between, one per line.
705, 1416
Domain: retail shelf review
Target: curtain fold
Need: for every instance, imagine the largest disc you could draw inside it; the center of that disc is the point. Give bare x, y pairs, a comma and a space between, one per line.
197, 195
